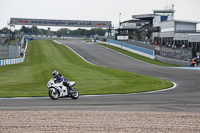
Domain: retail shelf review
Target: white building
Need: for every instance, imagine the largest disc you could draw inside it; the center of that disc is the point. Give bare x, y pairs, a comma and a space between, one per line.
163, 28
141, 26
178, 33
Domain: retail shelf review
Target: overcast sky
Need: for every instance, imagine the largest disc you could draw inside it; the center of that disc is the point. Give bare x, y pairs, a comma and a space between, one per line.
99, 10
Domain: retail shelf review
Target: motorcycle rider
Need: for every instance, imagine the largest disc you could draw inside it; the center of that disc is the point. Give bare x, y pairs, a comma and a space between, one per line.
59, 78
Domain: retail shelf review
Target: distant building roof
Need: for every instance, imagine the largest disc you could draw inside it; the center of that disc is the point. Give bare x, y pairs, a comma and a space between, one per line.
134, 21
163, 11
150, 17
183, 21
144, 16
186, 21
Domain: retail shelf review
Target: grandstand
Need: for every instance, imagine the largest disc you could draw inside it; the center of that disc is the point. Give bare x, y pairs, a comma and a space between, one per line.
163, 28
140, 27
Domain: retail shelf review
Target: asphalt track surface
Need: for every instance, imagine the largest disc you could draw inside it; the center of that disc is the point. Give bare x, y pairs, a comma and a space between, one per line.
185, 97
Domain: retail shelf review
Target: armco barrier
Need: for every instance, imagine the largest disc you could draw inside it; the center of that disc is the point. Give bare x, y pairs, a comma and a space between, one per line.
15, 60
135, 49
173, 61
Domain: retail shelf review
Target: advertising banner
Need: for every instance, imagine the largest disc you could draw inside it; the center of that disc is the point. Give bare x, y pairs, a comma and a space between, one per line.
61, 23
122, 38
163, 18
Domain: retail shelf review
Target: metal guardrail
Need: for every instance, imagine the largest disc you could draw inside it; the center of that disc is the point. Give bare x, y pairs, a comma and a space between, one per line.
187, 31
132, 48
146, 45
173, 61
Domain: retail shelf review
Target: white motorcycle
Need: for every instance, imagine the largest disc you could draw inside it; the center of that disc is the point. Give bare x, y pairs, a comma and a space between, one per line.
58, 90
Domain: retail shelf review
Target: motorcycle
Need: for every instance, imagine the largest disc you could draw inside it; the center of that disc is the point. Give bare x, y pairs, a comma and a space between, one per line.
58, 90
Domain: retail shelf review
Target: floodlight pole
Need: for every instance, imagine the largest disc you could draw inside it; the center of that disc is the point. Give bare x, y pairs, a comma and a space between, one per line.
32, 29
119, 22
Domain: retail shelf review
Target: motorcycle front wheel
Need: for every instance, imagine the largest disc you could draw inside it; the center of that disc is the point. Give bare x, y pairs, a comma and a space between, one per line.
74, 93
54, 95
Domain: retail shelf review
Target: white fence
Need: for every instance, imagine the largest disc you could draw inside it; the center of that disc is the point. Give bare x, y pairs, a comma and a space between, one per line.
15, 60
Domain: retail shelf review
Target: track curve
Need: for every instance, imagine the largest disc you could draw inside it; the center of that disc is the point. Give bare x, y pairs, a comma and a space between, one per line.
185, 97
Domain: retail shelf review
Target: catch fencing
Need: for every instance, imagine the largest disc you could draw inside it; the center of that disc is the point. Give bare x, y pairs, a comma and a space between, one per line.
12, 49
176, 56
175, 53
9, 51
15, 60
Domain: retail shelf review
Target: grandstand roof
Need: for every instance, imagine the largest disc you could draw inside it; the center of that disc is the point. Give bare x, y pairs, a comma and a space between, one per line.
134, 21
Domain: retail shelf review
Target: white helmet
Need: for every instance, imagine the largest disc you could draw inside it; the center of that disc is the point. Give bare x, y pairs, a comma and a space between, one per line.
55, 73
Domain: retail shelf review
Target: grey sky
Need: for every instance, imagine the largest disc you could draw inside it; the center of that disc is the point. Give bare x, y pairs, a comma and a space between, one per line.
103, 10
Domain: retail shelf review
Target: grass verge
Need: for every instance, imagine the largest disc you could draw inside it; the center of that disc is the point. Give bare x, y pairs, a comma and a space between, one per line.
44, 56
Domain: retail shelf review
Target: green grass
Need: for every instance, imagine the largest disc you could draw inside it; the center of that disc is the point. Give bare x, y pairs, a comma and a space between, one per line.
44, 56
139, 57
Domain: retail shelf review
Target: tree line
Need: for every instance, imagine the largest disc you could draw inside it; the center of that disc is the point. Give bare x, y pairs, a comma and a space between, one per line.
61, 32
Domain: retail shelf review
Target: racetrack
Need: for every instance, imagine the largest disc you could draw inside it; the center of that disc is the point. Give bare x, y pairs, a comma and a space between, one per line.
173, 110
184, 97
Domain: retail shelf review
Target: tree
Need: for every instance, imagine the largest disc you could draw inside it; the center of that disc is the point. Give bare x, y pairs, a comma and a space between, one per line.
63, 32
43, 31
35, 30
5, 30
98, 31
25, 30
40, 32
84, 32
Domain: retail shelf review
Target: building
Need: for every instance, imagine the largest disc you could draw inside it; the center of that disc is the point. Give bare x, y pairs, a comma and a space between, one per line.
177, 33
163, 28
136, 29
140, 28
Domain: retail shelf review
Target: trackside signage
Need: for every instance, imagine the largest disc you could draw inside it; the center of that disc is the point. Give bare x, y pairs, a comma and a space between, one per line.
122, 38
67, 23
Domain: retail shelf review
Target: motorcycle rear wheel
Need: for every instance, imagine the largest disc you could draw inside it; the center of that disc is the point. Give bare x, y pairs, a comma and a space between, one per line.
54, 95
